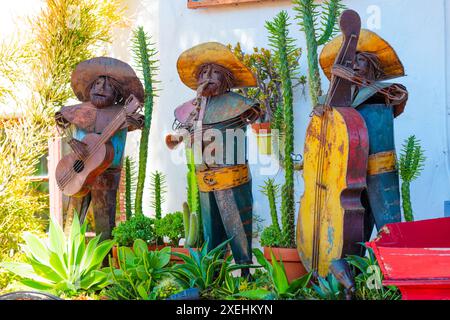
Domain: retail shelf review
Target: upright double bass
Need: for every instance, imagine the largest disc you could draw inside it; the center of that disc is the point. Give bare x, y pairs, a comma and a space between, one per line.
331, 216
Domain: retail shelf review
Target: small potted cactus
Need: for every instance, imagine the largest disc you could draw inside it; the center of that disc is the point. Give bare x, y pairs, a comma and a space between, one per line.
191, 233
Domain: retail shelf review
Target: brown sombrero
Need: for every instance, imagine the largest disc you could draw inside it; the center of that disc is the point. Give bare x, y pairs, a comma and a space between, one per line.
89, 70
368, 42
213, 52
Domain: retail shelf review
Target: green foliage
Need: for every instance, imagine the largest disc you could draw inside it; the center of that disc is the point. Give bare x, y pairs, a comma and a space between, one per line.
329, 288
138, 227
369, 278
314, 18
283, 46
191, 227
158, 189
62, 265
171, 226
271, 237
130, 186
263, 63
280, 286
139, 273
167, 287
144, 54
410, 165
204, 269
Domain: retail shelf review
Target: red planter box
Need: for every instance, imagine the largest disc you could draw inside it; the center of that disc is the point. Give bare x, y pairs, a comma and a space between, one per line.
415, 257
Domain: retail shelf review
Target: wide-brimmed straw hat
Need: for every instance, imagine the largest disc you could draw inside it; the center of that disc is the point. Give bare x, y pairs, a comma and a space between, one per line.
86, 72
213, 52
368, 42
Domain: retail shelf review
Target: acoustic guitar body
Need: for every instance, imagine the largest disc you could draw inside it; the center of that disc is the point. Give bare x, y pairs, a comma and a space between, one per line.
83, 172
331, 216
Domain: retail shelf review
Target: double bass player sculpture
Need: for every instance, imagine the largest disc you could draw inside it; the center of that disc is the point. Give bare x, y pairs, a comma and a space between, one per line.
351, 180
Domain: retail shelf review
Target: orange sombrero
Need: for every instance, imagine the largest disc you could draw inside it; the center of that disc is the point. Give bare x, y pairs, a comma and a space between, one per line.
368, 42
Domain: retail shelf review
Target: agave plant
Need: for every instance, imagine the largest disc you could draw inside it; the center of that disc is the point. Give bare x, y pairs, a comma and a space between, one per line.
205, 269
281, 288
60, 264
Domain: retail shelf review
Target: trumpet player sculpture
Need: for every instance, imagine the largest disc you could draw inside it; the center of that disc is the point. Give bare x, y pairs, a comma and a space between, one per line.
215, 120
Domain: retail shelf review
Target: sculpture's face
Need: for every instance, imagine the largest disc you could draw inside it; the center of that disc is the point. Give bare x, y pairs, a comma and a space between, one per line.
215, 80
102, 93
362, 67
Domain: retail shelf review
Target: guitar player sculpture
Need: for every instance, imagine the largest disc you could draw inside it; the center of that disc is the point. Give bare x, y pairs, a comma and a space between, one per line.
110, 93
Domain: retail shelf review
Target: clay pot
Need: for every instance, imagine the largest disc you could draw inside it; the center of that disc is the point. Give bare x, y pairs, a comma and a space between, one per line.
263, 137
182, 250
291, 261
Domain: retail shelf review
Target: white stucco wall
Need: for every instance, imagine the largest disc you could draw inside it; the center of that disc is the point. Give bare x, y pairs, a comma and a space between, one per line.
417, 30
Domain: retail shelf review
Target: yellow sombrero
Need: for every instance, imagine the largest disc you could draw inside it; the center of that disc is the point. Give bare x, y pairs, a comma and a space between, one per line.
368, 42
213, 52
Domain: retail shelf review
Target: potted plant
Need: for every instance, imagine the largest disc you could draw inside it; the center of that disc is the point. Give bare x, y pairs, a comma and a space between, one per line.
272, 237
263, 63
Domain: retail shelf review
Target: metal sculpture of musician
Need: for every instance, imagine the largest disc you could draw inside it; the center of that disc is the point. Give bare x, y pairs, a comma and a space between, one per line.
224, 181
110, 93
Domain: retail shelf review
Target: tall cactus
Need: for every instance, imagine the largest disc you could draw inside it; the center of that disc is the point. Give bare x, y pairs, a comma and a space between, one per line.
282, 45
130, 186
193, 195
144, 54
308, 18
158, 189
272, 190
410, 166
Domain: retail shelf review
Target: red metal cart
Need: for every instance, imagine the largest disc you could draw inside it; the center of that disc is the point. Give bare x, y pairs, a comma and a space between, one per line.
415, 257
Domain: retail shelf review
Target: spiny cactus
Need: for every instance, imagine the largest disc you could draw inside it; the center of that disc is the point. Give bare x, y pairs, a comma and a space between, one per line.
191, 227
410, 166
312, 20
282, 45
193, 195
130, 186
144, 53
158, 189
272, 192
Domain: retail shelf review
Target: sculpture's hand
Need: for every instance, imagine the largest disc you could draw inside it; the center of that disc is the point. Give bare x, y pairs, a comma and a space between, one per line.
173, 140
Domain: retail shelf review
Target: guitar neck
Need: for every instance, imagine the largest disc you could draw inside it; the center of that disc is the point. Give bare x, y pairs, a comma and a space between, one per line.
112, 127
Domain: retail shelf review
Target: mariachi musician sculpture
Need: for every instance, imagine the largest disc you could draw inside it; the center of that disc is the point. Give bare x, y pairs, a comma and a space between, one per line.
223, 176
377, 103
331, 217
111, 93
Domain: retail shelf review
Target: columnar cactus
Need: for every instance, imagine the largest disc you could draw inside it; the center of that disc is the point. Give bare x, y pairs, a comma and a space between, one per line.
283, 45
144, 54
308, 16
410, 166
158, 188
191, 227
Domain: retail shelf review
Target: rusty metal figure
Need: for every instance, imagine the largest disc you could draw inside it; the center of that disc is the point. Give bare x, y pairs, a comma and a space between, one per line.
225, 186
379, 103
103, 85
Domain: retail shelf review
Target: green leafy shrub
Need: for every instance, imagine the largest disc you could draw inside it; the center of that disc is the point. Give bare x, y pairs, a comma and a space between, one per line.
329, 288
60, 264
139, 273
171, 226
271, 237
138, 227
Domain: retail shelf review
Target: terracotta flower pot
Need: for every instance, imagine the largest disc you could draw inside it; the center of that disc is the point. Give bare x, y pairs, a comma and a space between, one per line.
182, 250
291, 261
263, 137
